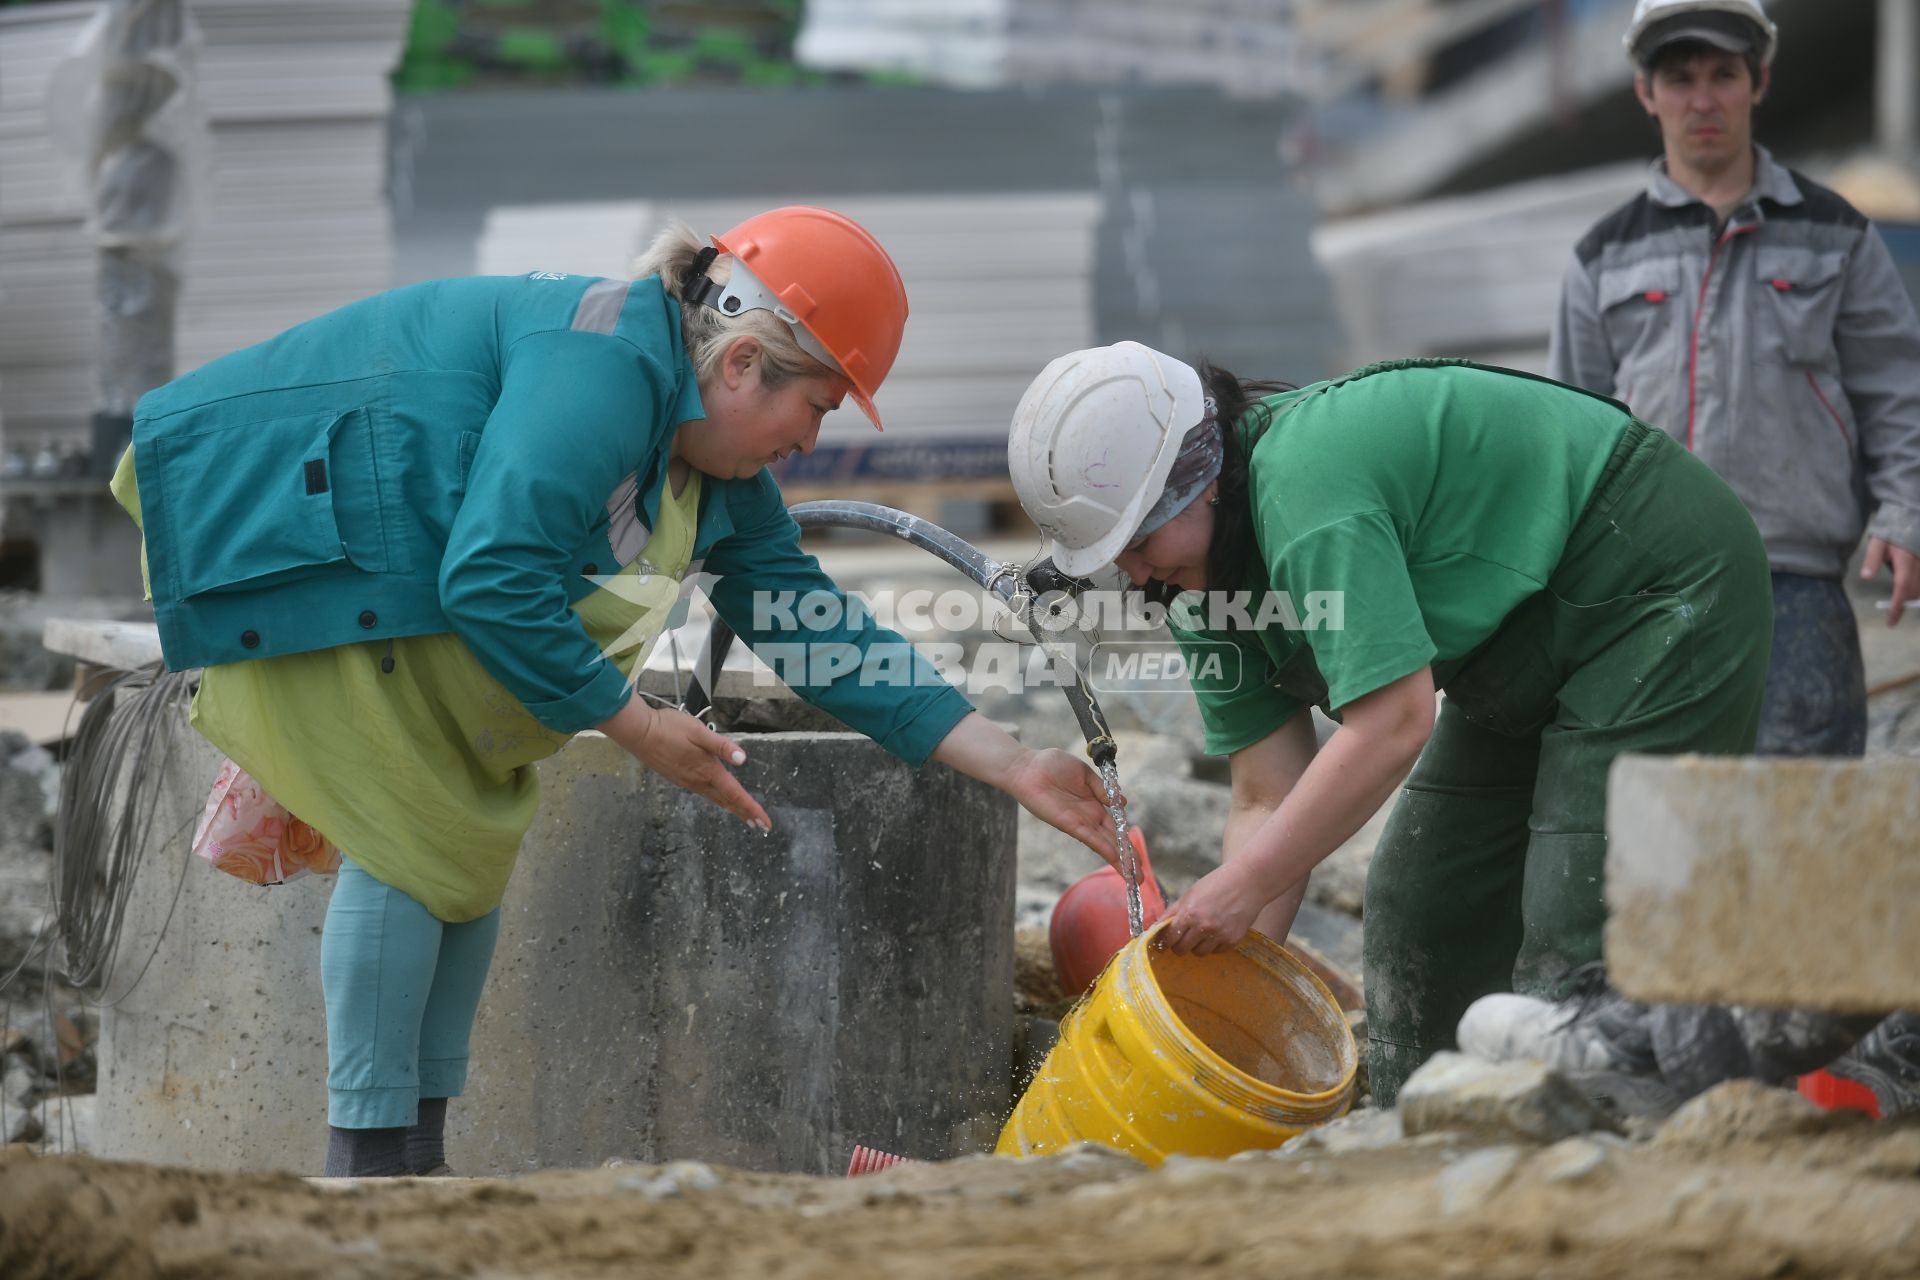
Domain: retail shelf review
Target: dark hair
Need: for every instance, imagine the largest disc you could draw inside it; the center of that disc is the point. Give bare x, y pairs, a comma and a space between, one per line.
1688, 50
1243, 420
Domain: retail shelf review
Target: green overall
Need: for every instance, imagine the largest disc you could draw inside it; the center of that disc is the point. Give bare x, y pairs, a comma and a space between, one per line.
1646, 628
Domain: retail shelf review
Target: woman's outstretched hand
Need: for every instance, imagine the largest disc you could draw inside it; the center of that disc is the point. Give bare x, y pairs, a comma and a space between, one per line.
1062, 791
1055, 787
686, 753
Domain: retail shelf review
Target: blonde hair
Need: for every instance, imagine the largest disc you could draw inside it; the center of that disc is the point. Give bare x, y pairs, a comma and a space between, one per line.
706, 331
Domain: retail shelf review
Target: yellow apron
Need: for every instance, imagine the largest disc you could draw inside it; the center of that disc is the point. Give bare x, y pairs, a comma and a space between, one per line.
424, 776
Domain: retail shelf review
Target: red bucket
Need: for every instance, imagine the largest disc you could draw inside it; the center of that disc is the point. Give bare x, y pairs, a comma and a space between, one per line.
1090, 921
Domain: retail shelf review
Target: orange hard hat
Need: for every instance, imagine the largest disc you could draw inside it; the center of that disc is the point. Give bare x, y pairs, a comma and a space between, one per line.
825, 275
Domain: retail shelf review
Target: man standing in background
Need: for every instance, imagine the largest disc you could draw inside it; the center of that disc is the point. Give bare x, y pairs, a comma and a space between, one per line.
1758, 318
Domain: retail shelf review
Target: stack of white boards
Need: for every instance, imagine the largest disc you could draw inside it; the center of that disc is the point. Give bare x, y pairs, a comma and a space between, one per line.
998, 284
1242, 46
46, 260
289, 209
1476, 275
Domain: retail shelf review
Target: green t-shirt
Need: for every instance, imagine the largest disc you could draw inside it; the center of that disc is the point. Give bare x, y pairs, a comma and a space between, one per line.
1401, 512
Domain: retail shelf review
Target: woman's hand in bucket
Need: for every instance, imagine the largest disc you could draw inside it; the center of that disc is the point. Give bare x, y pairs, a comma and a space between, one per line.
1062, 791
688, 754
1214, 915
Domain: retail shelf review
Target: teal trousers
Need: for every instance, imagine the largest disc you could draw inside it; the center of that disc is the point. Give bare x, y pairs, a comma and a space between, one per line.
402, 988
1651, 636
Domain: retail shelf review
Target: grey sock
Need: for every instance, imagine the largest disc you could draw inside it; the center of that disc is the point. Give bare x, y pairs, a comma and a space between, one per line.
426, 1140
366, 1153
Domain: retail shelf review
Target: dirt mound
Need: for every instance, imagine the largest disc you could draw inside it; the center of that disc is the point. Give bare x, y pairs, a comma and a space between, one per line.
1431, 1207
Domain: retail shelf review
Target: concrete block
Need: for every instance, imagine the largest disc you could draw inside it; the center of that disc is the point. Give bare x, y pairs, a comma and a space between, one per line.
667, 985
1526, 1100
670, 985
123, 646
1765, 881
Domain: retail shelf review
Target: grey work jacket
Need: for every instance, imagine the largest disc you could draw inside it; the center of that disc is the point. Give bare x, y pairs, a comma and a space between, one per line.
1782, 349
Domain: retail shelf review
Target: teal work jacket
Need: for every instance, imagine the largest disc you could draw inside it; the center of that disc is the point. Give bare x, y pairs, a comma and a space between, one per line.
467, 455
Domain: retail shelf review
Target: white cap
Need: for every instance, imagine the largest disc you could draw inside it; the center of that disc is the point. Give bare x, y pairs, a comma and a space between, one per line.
1723, 24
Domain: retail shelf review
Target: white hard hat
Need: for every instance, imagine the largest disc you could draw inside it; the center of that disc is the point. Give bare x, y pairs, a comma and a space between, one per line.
1092, 442
1710, 22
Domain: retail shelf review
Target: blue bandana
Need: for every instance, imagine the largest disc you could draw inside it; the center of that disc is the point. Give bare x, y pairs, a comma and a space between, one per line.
1195, 467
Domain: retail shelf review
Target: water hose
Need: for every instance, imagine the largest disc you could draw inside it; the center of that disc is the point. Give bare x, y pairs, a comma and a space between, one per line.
1007, 583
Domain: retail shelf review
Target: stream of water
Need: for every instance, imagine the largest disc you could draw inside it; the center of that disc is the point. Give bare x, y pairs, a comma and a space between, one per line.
1129, 860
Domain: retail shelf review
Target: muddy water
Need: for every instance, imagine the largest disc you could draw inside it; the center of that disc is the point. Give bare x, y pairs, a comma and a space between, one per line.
1274, 1027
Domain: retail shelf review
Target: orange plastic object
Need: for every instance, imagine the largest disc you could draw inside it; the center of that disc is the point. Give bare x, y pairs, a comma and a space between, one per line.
830, 272
868, 1160
1832, 1093
1090, 921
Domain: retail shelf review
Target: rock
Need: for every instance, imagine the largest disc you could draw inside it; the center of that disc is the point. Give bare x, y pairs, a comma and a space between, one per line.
1091, 1157
1895, 1154
19, 1082
1524, 1100
57, 1042
1182, 1171
23, 756
673, 1180
75, 1027
18, 1123
1744, 1111
1470, 1181
26, 825
1569, 1160
25, 904
67, 1124
29, 794
1366, 1130
1893, 722
1035, 988
1033, 904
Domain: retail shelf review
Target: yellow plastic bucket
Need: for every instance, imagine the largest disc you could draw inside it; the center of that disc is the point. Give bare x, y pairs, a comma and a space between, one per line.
1191, 1055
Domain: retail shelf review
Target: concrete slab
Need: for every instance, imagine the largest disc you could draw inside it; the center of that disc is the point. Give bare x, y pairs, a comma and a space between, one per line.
1765, 881
667, 984
123, 646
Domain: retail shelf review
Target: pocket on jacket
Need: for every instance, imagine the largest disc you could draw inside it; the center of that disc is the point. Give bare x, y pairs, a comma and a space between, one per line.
464, 449
1638, 303
1801, 291
259, 503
